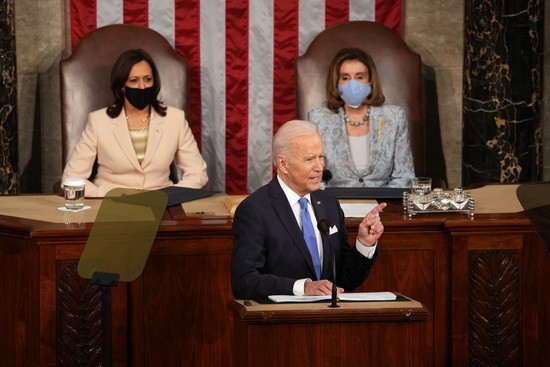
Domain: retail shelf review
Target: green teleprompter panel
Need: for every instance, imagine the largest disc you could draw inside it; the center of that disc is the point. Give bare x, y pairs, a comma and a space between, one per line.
123, 233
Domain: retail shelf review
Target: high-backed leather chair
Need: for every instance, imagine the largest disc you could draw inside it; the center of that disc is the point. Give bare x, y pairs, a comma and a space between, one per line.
398, 67
86, 75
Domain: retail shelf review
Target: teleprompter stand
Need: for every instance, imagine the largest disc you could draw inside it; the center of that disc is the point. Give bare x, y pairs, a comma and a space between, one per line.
118, 246
105, 281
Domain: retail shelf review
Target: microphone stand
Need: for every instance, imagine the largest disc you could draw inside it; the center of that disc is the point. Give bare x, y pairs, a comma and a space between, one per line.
333, 297
323, 227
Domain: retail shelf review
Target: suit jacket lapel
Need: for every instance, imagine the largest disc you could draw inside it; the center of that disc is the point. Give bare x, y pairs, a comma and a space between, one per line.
122, 136
341, 140
155, 136
375, 143
286, 215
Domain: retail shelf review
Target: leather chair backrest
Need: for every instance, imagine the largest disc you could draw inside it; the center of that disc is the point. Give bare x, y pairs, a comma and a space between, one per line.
399, 69
86, 74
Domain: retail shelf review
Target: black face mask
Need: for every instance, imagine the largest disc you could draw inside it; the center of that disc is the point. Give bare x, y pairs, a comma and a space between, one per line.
139, 98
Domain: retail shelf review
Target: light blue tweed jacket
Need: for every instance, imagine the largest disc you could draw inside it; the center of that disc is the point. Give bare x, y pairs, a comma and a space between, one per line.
391, 161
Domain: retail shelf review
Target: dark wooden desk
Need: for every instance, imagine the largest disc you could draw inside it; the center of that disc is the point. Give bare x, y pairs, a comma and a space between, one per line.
482, 280
388, 334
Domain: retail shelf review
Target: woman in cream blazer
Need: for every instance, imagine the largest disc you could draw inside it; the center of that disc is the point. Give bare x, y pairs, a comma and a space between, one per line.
136, 139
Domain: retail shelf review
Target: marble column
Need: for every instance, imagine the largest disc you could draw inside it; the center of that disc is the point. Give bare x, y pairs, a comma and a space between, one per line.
9, 181
502, 91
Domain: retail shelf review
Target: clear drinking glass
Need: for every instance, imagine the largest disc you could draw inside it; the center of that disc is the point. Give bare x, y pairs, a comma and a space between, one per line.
74, 190
421, 185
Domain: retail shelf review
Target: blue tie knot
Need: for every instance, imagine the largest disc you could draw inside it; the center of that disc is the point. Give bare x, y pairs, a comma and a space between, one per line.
303, 203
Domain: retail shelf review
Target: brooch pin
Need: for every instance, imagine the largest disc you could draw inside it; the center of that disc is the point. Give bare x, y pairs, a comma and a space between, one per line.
379, 130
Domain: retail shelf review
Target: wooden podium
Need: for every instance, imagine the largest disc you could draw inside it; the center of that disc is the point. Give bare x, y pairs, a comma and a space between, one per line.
389, 333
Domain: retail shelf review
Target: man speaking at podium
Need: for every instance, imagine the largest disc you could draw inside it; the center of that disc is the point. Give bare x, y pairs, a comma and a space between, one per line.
278, 248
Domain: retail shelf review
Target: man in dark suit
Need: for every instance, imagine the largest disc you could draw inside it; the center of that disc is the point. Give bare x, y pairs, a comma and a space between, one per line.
270, 255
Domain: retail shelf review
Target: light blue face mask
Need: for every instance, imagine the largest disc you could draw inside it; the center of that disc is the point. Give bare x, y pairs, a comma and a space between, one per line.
354, 92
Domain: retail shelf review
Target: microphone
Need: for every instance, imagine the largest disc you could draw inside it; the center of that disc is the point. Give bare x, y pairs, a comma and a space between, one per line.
324, 228
327, 176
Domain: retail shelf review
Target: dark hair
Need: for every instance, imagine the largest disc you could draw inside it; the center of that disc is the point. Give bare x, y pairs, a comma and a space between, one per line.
334, 102
119, 76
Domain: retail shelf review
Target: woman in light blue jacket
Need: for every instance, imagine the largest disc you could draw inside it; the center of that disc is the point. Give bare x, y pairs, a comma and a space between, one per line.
366, 142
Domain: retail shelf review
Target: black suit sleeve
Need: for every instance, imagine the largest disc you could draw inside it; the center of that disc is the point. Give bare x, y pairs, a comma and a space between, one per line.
253, 274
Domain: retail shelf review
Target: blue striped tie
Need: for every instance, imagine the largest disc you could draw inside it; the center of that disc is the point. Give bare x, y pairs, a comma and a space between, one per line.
309, 236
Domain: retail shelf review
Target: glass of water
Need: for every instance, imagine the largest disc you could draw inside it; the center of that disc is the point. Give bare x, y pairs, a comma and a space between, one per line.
73, 189
421, 186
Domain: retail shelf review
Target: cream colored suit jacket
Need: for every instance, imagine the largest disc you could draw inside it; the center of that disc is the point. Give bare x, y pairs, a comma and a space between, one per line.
107, 139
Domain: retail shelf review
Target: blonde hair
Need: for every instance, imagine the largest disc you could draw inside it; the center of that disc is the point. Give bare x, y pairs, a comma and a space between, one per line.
282, 141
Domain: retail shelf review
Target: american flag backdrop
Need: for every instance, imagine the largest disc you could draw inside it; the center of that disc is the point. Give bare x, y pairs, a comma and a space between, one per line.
241, 60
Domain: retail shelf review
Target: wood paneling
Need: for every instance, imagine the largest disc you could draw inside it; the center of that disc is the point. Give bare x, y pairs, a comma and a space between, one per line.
321, 336
463, 270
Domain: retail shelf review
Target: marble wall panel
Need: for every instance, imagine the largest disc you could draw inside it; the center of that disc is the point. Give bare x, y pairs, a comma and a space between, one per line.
450, 106
29, 134
41, 43
9, 175
503, 91
434, 29
546, 98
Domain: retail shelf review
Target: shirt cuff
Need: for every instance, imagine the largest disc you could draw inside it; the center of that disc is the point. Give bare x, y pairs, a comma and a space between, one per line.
298, 288
367, 251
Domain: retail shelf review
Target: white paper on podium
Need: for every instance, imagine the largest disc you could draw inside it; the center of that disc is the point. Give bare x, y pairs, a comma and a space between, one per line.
358, 210
357, 297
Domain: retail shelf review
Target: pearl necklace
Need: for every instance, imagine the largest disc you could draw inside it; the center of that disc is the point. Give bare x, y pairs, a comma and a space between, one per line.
142, 120
360, 122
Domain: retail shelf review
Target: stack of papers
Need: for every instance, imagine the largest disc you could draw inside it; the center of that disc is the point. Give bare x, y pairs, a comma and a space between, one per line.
357, 210
357, 297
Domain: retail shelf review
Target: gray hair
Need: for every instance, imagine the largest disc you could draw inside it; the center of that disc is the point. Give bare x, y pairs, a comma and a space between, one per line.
282, 140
